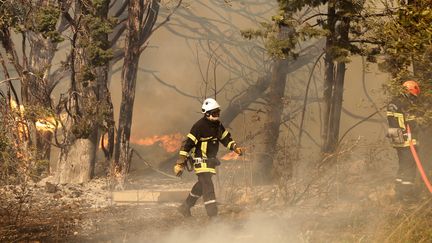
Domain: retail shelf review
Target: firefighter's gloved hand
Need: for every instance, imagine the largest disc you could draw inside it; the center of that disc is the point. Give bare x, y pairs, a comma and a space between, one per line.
238, 150
179, 166
178, 169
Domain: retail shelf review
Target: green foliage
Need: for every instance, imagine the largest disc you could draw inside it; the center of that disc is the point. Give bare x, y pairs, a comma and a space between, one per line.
11, 14
45, 22
407, 44
96, 42
87, 76
92, 116
23, 17
288, 28
34, 113
406, 38
298, 5
98, 4
282, 35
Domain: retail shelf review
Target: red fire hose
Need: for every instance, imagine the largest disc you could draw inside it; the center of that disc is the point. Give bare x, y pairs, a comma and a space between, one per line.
417, 160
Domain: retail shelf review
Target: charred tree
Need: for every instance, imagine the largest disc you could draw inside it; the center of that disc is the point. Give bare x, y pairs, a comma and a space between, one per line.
90, 55
39, 29
338, 49
329, 79
332, 138
38, 85
272, 122
141, 20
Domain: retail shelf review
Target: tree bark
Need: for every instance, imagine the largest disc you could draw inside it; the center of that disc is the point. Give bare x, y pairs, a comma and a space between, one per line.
337, 100
75, 166
264, 164
37, 88
139, 30
81, 134
104, 97
329, 75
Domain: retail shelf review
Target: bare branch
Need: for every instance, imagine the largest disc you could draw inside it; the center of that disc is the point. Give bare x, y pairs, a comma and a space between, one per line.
306, 98
118, 34
173, 87
9, 79
364, 41
168, 17
122, 9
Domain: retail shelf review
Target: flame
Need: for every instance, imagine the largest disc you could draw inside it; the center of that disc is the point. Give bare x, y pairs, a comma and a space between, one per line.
14, 106
21, 127
47, 124
103, 140
230, 156
170, 142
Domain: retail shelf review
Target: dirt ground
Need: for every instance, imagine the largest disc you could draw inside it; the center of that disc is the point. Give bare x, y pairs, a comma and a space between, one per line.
353, 205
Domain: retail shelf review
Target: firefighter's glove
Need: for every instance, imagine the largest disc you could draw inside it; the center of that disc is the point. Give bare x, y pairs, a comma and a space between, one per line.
238, 150
178, 169
179, 166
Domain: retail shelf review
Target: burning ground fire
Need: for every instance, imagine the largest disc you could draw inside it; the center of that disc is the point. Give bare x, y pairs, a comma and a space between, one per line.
170, 142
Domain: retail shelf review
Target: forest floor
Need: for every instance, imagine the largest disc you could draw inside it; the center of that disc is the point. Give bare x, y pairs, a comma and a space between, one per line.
355, 206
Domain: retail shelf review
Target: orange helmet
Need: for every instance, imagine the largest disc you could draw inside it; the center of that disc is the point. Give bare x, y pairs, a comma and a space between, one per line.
412, 87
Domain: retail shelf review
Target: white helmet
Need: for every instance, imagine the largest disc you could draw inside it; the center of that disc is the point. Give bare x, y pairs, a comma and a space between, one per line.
209, 104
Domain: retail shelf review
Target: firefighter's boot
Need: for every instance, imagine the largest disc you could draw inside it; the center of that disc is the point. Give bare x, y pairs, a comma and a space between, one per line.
184, 209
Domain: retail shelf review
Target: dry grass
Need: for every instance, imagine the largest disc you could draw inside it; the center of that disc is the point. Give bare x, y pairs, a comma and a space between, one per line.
410, 224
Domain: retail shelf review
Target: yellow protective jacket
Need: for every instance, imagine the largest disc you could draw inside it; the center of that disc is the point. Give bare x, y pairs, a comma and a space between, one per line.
203, 142
398, 117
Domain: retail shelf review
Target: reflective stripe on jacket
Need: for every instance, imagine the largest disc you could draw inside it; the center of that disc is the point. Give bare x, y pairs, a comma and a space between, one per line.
203, 142
398, 117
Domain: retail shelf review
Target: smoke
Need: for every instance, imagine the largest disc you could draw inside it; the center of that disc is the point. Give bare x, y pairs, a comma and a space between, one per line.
258, 228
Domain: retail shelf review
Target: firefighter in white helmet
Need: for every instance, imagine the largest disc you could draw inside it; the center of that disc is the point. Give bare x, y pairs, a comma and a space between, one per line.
202, 145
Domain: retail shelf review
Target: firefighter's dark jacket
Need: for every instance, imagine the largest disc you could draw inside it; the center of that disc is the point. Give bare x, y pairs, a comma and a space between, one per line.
399, 116
203, 142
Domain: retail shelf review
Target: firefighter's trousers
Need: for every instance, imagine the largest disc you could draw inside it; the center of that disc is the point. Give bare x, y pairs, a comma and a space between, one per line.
204, 187
406, 174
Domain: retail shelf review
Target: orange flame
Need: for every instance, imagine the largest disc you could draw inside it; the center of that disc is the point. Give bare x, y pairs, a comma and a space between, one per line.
230, 156
47, 124
103, 140
170, 142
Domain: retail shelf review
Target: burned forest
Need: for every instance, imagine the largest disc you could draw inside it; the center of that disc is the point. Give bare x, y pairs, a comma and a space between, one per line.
215, 120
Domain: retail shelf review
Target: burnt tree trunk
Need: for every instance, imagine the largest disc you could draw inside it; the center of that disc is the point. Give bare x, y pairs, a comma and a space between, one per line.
337, 98
141, 20
104, 98
264, 165
338, 38
329, 78
77, 156
38, 86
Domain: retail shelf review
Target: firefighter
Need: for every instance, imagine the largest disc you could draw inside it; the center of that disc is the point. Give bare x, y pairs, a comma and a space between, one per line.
202, 145
399, 116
